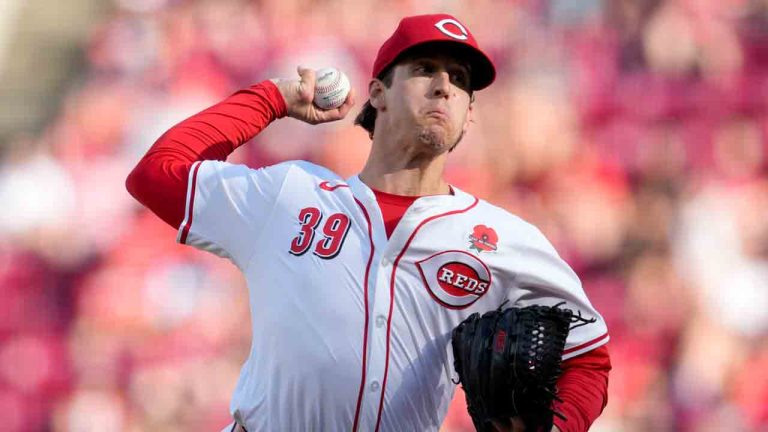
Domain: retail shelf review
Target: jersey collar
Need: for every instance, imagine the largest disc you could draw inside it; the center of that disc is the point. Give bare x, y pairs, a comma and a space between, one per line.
459, 199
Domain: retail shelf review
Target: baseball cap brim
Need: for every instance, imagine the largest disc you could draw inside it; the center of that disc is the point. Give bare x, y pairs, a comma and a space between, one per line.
482, 70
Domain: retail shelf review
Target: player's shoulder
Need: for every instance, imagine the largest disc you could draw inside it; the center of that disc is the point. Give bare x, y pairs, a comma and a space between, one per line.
502, 215
306, 169
515, 227
297, 169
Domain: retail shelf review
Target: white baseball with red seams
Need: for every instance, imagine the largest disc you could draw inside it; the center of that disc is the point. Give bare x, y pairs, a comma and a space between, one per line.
331, 88
350, 329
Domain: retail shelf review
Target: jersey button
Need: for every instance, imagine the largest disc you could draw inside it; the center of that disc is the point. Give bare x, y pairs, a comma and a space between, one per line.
381, 320
374, 386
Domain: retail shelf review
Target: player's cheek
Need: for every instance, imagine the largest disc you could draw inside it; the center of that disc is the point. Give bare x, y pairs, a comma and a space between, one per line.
413, 106
460, 123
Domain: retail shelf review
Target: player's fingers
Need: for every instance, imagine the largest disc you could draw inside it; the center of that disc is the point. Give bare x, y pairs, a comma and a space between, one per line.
499, 426
306, 74
349, 102
508, 425
306, 83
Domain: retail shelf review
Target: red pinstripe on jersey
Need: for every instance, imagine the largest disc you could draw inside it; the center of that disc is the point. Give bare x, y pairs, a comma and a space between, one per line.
365, 329
190, 210
585, 344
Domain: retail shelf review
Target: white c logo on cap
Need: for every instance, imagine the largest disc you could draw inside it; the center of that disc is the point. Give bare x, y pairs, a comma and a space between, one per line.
441, 26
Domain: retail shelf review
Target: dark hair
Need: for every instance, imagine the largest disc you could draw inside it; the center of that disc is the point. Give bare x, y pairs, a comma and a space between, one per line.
367, 116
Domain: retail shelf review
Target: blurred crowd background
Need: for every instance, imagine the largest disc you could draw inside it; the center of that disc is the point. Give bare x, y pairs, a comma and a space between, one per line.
632, 132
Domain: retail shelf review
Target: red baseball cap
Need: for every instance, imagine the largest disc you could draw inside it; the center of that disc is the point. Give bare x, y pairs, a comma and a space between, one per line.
421, 29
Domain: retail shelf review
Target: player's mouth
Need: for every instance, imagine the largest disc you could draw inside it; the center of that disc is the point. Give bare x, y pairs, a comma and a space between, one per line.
437, 113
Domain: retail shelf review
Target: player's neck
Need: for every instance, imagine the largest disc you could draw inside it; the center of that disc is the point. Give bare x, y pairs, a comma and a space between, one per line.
398, 174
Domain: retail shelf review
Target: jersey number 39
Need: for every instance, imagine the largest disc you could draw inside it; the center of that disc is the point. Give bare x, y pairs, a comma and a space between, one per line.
334, 232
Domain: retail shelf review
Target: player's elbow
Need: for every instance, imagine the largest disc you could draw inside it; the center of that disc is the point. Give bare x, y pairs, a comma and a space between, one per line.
136, 181
145, 184
160, 185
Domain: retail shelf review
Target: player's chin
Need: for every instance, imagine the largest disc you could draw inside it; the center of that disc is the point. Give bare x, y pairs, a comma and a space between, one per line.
436, 138
432, 141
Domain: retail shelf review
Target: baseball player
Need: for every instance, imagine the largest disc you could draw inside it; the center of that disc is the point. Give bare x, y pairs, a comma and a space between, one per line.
356, 284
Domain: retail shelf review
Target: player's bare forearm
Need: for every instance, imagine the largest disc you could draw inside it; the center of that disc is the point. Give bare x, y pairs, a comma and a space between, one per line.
299, 93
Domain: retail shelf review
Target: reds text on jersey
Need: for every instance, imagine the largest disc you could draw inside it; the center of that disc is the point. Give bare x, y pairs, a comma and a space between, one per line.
351, 330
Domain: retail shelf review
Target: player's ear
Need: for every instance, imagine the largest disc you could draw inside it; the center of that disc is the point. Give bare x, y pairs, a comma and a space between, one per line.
376, 94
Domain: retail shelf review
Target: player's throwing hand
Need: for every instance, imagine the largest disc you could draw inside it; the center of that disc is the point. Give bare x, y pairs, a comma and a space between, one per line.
299, 93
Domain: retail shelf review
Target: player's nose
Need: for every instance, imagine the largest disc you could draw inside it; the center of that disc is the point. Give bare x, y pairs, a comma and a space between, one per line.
441, 84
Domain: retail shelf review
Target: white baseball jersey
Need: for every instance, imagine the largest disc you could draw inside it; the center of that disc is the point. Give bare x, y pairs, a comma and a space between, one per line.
351, 330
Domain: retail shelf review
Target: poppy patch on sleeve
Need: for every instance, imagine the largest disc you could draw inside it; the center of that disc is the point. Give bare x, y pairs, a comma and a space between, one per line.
483, 239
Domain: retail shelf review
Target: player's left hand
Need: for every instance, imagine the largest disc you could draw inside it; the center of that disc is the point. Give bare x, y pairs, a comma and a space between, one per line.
515, 424
299, 93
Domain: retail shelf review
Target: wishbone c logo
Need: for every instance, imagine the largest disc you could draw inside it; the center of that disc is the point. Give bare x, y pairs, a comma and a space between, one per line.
462, 35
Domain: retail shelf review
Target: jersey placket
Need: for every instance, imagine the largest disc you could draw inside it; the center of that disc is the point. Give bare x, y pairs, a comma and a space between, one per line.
382, 292
386, 292
398, 254
379, 312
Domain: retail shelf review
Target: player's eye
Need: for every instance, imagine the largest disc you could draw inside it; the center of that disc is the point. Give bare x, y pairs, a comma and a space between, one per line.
460, 78
423, 69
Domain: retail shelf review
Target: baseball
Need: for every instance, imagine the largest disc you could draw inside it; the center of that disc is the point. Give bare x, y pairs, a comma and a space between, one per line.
331, 88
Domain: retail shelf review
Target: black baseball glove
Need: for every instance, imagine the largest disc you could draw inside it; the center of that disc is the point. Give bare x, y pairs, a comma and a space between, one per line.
508, 363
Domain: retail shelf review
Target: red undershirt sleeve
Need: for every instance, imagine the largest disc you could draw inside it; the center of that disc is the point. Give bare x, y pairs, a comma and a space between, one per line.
159, 180
583, 387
